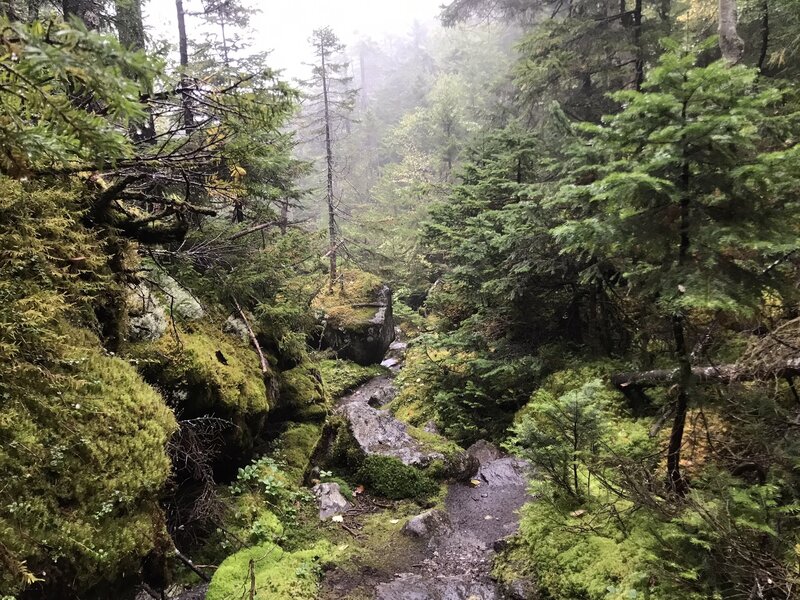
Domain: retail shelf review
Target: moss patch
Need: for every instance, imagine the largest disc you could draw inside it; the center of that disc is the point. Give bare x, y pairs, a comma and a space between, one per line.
296, 445
83, 457
206, 372
279, 575
388, 477
302, 387
343, 376
342, 305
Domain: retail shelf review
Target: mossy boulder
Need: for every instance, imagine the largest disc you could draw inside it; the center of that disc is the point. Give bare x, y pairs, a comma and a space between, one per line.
278, 574
83, 461
356, 317
296, 445
388, 477
203, 372
302, 394
383, 475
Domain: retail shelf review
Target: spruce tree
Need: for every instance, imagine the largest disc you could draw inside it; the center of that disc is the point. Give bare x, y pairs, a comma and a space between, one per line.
694, 199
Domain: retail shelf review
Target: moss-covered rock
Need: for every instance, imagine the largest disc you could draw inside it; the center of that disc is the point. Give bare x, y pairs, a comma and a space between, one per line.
202, 372
392, 479
296, 445
302, 394
83, 457
356, 317
278, 574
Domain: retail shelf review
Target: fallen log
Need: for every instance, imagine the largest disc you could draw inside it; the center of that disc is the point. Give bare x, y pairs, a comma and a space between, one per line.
718, 374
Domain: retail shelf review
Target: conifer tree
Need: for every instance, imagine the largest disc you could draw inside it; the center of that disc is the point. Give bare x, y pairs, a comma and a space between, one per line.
330, 102
693, 200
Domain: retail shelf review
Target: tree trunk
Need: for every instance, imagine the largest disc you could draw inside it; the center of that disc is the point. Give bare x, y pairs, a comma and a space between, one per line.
83, 10
730, 44
284, 222
674, 477
183, 48
762, 55
130, 31
637, 42
722, 374
332, 252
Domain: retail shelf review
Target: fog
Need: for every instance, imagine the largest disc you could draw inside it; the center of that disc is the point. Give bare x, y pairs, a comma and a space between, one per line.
284, 27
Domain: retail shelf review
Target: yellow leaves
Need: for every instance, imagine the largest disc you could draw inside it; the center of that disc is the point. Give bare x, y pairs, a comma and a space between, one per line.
27, 576
237, 173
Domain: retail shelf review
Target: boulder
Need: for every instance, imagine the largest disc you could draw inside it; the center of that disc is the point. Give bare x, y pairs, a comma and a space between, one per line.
330, 499
427, 524
484, 452
382, 396
378, 432
236, 327
461, 466
356, 319
147, 319
508, 471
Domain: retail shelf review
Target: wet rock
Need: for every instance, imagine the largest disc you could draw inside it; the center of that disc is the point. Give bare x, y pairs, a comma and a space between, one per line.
382, 396
330, 499
503, 472
427, 524
419, 587
461, 466
390, 363
522, 588
378, 432
484, 452
431, 427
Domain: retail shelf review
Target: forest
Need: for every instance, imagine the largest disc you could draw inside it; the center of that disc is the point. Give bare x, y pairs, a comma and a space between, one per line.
505, 306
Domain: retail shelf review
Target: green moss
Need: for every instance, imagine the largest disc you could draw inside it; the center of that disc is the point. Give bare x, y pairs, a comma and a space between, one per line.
568, 562
434, 442
388, 477
343, 376
344, 487
343, 306
416, 386
206, 371
279, 575
302, 387
83, 457
296, 445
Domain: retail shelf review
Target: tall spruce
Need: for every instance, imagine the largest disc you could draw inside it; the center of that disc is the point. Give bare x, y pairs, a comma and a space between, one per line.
330, 102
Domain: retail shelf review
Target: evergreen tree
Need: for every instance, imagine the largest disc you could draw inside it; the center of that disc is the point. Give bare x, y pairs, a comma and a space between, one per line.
329, 103
694, 198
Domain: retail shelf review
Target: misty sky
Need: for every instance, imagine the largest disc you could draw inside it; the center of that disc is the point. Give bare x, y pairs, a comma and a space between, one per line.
284, 26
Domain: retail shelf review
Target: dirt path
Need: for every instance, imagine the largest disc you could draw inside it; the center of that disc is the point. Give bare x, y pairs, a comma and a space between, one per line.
450, 558
458, 560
